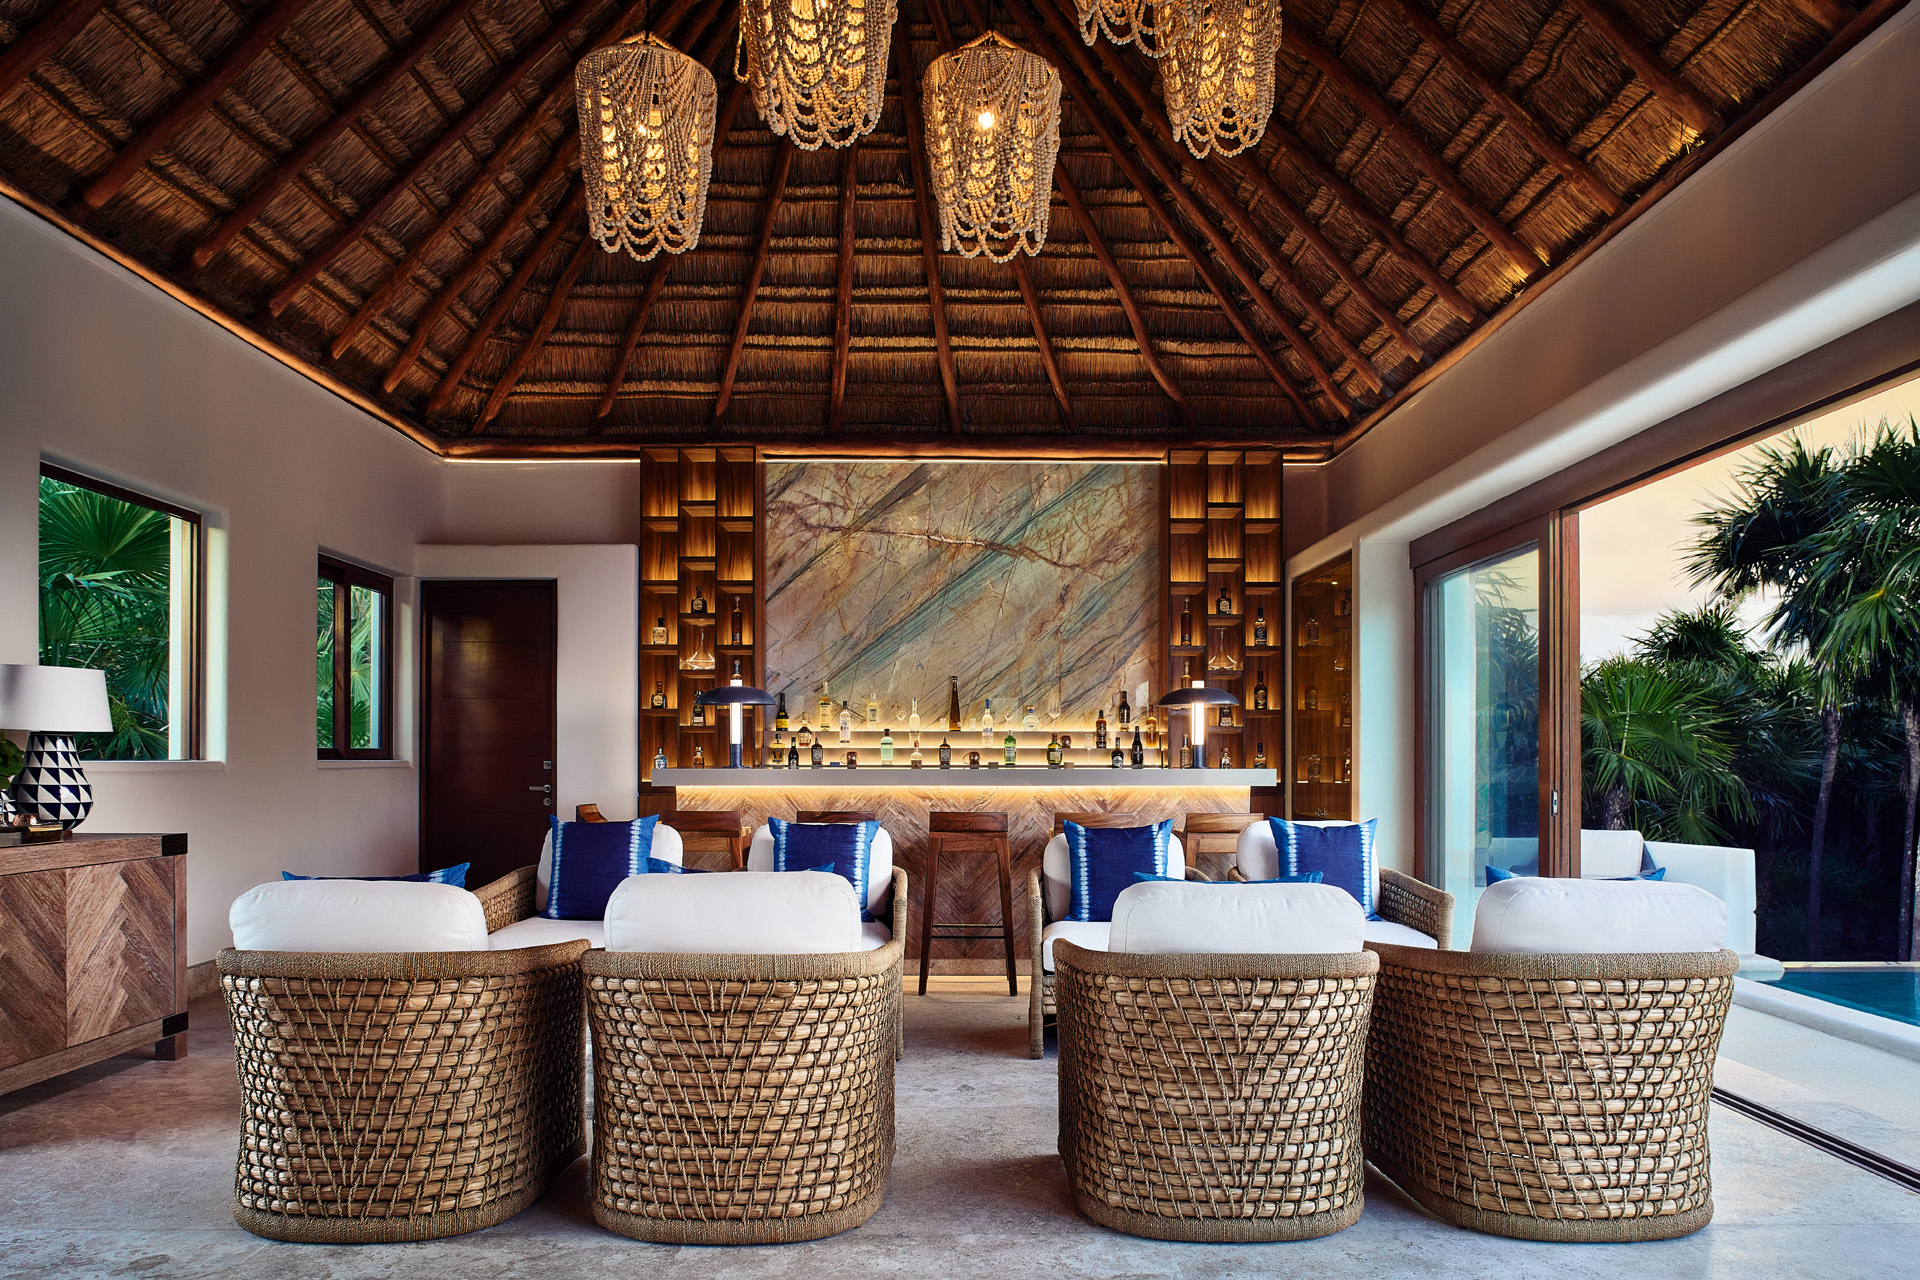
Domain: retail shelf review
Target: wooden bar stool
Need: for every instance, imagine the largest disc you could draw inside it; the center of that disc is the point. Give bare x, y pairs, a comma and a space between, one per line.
1216, 834
711, 830
967, 832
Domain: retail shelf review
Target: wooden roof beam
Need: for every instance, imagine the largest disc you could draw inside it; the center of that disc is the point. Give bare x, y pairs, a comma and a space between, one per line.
776, 192
562, 218
1047, 358
537, 340
923, 214
192, 101
1646, 63
46, 38
1386, 119
303, 153
843, 287
1495, 95
498, 88
1135, 318
1829, 14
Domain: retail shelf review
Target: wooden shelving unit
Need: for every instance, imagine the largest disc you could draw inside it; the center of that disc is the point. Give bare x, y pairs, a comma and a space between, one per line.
1222, 535
1319, 769
700, 540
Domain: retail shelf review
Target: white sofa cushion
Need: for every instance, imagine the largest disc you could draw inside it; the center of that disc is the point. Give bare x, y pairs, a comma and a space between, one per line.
1258, 856
538, 931
874, 935
1091, 934
1610, 855
1400, 935
1056, 874
1174, 918
667, 846
357, 916
1535, 916
1726, 873
879, 864
740, 913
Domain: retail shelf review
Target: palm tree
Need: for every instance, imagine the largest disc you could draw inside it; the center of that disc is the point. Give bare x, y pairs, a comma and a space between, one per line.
1768, 539
1655, 754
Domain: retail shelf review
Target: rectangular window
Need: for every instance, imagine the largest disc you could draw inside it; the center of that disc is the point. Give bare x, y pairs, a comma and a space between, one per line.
119, 591
353, 650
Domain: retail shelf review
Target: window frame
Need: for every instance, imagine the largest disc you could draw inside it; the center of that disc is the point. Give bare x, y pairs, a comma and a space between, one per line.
191, 713
345, 574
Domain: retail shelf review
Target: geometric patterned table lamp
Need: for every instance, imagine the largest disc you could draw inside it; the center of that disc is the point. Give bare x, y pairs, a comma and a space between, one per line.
54, 703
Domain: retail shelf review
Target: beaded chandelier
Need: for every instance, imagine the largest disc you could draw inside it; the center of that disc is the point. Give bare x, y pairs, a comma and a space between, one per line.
646, 145
1127, 21
993, 132
1216, 71
818, 68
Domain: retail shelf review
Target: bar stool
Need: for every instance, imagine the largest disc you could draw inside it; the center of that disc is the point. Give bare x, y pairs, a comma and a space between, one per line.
1215, 834
711, 830
967, 832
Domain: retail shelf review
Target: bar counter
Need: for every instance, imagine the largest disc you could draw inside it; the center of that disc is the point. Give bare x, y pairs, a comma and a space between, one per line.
1076, 778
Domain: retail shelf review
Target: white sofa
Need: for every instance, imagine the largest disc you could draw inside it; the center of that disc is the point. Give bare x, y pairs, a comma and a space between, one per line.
874, 933
1258, 858
1726, 873
537, 931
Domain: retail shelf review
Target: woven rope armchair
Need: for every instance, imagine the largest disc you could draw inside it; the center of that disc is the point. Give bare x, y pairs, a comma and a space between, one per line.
742, 1099
1548, 1097
1213, 1098
409, 1096
1405, 900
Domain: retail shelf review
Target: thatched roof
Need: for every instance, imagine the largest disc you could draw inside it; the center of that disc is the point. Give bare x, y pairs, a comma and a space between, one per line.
384, 193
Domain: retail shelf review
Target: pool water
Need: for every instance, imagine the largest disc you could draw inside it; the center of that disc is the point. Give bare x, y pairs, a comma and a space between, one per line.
1888, 990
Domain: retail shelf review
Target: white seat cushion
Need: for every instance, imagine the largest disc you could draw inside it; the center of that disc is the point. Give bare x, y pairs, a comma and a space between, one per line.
1168, 918
1258, 856
667, 846
879, 864
1091, 934
1725, 873
538, 931
739, 913
1610, 855
1399, 935
357, 916
1056, 873
1534, 916
874, 935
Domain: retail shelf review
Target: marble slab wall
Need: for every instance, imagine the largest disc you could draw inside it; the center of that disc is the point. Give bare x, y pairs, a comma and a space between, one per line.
1035, 583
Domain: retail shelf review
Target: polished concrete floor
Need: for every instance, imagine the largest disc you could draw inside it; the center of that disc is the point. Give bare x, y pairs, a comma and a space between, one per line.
125, 1169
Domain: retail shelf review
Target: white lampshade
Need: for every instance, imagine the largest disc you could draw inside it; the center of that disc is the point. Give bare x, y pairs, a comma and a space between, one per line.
54, 699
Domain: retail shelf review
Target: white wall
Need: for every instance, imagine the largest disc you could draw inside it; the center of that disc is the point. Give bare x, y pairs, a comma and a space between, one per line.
1804, 229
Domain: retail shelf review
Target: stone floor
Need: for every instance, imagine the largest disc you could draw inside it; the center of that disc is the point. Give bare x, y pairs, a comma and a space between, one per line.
125, 1169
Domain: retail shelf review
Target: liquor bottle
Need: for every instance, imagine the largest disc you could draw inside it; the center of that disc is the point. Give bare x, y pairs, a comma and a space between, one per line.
659, 757
816, 753
1186, 752
735, 678
946, 753
1055, 752
737, 620
916, 760
1186, 672
1259, 755
1346, 710
846, 722
826, 707
1226, 758
793, 754
659, 695
1226, 716
659, 630
1100, 731
699, 604
1260, 625
1186, 620
1031, 720
1346, 768
973, 759
913, 722
780, 712
986, 725
805, 738
1138, 754
1260, 691
699, 757
1313, 768
779, 749
1126, 712
1119, 755
1224, 605
953, 704
1310, 634
1310, 700
1011, 749
873, 712
1153, 729
699, 712
1343, 608
853, 759
886, 746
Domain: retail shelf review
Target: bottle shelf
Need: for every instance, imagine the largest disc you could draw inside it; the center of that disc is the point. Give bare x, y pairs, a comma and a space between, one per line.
698, 619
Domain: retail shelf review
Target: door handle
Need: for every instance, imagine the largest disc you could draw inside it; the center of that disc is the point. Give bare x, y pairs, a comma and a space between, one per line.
548, 788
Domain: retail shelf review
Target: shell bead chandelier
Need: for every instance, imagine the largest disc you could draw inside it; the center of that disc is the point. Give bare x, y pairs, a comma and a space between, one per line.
818, 68
1127, 21
993, 132
1216, 71
646, 145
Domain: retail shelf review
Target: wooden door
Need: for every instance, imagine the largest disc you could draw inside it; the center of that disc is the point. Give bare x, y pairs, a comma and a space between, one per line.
487, 778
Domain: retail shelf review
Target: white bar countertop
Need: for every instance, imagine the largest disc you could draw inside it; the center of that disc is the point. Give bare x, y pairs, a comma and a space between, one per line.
931, 776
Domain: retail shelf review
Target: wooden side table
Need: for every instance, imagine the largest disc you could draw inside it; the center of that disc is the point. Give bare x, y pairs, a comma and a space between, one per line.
93, 952
967, 832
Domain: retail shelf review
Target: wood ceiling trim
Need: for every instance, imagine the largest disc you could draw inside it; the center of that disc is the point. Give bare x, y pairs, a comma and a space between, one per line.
1663, 81
537, 340
46, 38
662, 268
908, 80
776, 193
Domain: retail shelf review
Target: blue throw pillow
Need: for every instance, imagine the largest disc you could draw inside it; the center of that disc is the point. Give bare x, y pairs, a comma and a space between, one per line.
455, 875
1496, 874
844, 848
659, 867
590, 859
1344, 855
1104, 860
1305, 877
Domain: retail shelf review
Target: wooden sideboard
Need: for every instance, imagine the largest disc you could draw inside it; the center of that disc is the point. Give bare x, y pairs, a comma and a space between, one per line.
93, 952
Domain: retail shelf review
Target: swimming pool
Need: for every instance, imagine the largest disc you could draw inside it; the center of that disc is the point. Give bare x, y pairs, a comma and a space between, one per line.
1892, 991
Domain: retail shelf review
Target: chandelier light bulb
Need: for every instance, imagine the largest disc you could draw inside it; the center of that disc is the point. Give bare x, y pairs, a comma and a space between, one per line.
986, 117
817, 68
993, 133
646, 145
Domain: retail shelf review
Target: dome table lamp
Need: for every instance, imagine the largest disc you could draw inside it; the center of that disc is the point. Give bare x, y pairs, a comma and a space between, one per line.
53, 704
736, 698
1197, 699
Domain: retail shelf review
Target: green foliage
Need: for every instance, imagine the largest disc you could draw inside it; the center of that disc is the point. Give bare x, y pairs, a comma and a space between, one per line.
11, 759
1655, 752
363, 651
104, 603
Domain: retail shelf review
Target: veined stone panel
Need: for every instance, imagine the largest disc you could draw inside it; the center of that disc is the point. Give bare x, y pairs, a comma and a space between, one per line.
1035, 583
